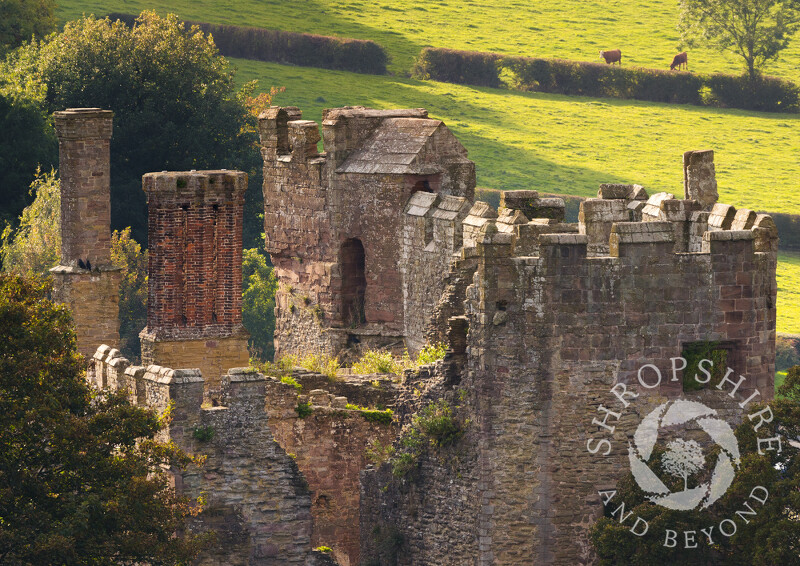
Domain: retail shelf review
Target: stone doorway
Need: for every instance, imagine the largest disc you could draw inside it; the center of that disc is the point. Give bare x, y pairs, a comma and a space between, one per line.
354, 282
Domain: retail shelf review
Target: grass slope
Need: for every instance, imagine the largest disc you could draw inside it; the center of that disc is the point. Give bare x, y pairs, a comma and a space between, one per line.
789, 292
645, 30
530, 141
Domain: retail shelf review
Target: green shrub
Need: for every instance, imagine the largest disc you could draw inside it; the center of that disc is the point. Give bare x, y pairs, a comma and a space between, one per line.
460, 67
305, 49
437, 423
693, 354
786, 354
431, 353
320, 363
303, 410
385, 416
376, 361
289, 380
559, 76
203, 433
377, 453
325, 549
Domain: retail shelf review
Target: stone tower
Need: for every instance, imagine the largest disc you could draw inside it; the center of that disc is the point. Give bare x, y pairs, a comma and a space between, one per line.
333, 220
85, 280
194, 308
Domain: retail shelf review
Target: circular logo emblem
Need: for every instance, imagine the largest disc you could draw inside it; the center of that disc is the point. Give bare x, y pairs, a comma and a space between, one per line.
683, 458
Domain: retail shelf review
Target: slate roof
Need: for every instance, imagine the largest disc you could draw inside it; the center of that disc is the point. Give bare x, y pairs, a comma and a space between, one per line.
393, 149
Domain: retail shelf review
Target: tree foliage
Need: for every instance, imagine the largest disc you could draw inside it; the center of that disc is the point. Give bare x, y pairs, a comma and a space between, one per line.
22, 19
755, 30
35, 245
175, 101
82, 478
258, 303
127, 254
771, 537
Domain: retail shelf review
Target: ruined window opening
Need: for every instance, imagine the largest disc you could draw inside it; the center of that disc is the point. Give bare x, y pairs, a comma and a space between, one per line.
354, 282
422, 186
720, 353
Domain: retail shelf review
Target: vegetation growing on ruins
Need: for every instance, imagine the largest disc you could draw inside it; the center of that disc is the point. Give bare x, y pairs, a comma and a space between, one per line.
380, 361
382, 416
203, 433
289, 380
303, 410
433, 426
82, 477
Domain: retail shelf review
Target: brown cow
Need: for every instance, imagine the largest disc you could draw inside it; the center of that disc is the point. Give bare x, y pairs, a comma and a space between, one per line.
612, 56
680, 60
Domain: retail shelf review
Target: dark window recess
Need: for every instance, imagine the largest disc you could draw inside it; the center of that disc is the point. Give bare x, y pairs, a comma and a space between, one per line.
354, 282
422, 186
693, 352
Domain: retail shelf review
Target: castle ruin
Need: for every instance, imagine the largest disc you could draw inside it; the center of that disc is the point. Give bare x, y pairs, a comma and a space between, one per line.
378, 242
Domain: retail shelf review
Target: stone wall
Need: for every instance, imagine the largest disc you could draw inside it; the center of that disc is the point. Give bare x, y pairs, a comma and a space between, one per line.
432, 234
258, 502
329, 446
317, 206
550, 333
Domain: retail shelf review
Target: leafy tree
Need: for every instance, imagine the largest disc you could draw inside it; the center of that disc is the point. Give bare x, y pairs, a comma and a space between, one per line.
82, 478
755, 30
175, 101
127, 254
22, 19
258, 303
35, 246
771, 537
28, 142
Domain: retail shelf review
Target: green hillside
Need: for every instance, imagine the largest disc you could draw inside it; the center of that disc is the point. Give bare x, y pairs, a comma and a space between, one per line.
526, 140
571, 29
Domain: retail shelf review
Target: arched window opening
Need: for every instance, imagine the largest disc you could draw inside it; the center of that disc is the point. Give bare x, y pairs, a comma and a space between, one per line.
354, 282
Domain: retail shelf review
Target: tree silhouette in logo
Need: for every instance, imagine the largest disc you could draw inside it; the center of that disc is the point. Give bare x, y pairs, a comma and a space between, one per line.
682, 459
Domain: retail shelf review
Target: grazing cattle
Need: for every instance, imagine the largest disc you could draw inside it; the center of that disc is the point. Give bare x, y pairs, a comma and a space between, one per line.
612, 56
680, 60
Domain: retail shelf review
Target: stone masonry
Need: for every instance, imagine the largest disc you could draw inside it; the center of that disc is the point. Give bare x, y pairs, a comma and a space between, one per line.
194, 308
85, 280
557, 315
257, 502
333, 220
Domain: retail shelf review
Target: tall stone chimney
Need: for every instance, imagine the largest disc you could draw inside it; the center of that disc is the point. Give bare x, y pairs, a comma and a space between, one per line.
194, 307
85, 280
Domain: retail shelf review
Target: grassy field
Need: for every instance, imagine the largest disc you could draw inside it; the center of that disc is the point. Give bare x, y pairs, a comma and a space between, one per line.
645, 30
527, 140
789, 292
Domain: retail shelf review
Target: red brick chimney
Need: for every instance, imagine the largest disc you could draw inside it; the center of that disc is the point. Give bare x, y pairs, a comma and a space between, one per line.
194, 309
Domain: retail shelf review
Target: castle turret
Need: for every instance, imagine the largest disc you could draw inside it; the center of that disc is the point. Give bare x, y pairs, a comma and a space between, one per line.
194, 308
85, 280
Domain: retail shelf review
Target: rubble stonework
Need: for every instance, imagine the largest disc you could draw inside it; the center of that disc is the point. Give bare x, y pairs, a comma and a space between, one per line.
194, 307
333, 220
377, 242
85, 280
257, 501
